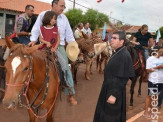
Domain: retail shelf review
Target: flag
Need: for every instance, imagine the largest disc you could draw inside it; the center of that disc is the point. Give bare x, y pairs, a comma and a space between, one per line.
99, 1
158, 36
104, 31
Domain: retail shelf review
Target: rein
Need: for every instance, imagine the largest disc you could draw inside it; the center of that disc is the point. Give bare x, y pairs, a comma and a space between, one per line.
136, 62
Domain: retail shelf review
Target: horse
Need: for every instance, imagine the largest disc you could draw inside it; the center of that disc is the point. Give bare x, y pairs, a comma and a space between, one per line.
87, 48
139, 69
103, 51
30, 75
75, 66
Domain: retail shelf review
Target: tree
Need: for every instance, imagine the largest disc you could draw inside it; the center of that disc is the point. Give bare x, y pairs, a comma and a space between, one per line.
161, 31
74, 16
95, 18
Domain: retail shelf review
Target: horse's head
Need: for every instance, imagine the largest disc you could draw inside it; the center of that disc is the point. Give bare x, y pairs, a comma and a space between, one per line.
18, 68
129, 45
86, 47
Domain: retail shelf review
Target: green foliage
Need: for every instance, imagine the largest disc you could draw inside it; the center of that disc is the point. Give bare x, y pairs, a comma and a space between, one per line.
74, 16
161, 31
95, 18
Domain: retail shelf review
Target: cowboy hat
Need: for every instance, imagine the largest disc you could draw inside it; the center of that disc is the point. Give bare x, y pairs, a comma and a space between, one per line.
72, 50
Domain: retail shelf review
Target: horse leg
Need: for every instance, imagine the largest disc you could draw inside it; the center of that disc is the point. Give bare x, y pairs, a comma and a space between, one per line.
140, 82
75, 73
31, 116
88, 62
49, 116
97, 61
100, 65
133, 82
91, 67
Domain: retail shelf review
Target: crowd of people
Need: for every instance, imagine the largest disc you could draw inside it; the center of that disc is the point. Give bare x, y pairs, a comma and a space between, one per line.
53, 30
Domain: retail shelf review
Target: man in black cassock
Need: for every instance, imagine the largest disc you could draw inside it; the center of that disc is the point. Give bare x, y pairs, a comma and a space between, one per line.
111, 105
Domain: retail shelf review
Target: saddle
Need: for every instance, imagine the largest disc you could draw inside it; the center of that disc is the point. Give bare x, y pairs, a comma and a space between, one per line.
52, 57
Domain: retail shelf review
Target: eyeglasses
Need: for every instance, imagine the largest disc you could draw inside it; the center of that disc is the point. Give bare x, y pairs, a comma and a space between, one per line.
62, 6
114, 38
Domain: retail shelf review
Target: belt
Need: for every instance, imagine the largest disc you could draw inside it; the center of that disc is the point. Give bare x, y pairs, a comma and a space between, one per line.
145, 47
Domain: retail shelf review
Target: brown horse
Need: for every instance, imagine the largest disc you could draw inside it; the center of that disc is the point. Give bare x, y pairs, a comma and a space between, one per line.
30, 75
87, 48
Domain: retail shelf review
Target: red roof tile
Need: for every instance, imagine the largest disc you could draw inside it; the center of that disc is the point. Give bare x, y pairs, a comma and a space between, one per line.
19, 5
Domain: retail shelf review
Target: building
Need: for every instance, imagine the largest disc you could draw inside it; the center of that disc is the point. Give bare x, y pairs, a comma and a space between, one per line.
10, 9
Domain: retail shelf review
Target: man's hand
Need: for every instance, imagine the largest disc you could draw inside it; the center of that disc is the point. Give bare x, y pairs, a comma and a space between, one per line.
111, 99
32, 43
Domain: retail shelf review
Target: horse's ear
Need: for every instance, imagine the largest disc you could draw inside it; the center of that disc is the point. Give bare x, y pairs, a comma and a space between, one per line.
9, 42
34, 48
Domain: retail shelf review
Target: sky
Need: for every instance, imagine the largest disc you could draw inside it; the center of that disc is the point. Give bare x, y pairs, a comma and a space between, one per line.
133, 12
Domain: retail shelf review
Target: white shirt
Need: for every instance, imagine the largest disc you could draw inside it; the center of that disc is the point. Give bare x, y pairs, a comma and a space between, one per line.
157, 75
87, 31
63, 28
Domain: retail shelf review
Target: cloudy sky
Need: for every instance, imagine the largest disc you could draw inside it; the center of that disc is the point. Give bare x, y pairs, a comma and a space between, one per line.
133, 12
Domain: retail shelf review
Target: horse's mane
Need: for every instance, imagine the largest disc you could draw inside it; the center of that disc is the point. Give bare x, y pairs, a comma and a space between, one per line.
21, 49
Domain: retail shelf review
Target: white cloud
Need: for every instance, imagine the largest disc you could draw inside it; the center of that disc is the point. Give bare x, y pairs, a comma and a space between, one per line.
134, 12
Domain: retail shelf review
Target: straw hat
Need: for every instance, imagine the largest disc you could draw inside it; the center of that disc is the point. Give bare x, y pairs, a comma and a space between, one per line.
72, 50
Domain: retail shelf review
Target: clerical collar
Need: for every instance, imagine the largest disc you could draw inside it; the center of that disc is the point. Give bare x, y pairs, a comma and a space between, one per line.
118, 49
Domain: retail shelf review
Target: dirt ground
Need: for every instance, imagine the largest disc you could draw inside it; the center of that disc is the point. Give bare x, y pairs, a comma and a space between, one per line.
87, 93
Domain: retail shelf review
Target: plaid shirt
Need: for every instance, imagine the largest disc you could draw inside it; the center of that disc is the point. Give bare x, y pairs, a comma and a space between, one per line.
23, 22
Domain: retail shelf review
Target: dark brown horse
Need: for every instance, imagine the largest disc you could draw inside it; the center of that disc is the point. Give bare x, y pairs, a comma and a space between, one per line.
139, 67
30, 75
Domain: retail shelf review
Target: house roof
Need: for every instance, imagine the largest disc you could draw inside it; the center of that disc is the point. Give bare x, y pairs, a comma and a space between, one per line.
19, 5
130, 28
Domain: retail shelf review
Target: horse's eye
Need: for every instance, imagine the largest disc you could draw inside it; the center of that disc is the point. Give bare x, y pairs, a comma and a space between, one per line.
26, 68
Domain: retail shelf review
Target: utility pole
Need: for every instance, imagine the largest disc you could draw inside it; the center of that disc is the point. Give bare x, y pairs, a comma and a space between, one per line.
74, 4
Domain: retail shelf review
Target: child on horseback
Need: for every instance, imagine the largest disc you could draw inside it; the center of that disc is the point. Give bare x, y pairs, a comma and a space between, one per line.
49, 35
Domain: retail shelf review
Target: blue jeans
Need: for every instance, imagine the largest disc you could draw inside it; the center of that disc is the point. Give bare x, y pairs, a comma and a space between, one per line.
146, 54
24, 39
69, 74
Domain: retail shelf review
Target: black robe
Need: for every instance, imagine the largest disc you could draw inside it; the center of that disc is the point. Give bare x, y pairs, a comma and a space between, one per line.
116, 74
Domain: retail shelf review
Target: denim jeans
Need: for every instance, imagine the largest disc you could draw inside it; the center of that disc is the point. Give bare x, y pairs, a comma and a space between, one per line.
146, 54
69, 74
24, 39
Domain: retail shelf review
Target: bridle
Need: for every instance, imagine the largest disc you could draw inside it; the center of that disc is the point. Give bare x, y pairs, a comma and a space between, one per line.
30, 105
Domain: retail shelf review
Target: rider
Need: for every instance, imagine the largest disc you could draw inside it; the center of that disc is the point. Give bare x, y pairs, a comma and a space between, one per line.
65, 31
78, 32
23, 23
49, 36
143, 40
86, 30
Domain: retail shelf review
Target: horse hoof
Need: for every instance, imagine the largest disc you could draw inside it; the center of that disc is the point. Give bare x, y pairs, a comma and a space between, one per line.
139, 95
130, 107
87, 78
